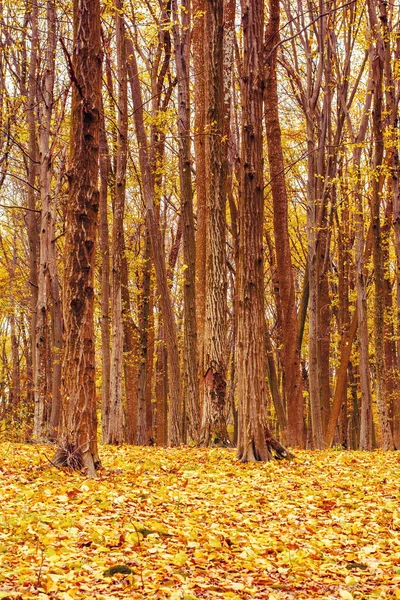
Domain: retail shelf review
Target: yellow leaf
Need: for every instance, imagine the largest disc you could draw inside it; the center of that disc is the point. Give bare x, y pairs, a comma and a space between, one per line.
180, 559
345, 595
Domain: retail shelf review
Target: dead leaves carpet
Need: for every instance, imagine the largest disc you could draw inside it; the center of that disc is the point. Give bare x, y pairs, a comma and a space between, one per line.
188, 523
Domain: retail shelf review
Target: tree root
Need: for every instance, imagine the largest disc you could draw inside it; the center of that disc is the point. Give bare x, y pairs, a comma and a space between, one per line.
277, 451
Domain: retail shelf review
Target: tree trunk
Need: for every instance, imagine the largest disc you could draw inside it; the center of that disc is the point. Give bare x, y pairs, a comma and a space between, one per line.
131, 344
377, 57
47, 258
213, 425
79, 427
144, 316
251, 341
116, 424
31, 217
104, 247
190, 358
200, 156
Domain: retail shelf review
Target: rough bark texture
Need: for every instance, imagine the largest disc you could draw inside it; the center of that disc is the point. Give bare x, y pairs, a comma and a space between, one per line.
190, 358
31, 217
251, 444
377, 57
144, 324
116, 423
290, 351
213, 425
104, 247
392, 96
199, 151
79, 435
43, 375
131, 345
365, 382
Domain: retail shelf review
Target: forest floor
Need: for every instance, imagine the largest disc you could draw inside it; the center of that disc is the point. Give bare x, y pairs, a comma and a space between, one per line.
194, 523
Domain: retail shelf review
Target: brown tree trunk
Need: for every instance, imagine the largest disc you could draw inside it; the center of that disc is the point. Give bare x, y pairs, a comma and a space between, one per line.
190, 358
200, 157
251, 341
287, 305
104, 247
131, 344
47, 259
79, 426
116, 424
213, 424
392, 96
144, 317
31, 217
377, 57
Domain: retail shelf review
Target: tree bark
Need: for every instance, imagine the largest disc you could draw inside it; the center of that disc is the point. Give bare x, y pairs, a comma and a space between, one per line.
79, 434
377, 57
116, 423
47, 257
190, 357
198, 8
213, 423
104, 247
251, 341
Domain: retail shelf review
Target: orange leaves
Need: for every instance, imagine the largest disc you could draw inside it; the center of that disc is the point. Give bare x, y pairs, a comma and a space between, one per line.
195, 524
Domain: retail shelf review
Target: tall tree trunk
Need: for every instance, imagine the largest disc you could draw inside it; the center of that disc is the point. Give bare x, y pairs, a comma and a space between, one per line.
190, 358
315, 399
291, 352
47, 259
104, 247
251, 341
144, 317
377, 58
392, 96
116, 425
213, 426
131, 343
31, 217
79, 428
200, 157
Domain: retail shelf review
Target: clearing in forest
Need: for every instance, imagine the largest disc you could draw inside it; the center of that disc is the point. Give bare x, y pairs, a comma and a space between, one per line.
194, 523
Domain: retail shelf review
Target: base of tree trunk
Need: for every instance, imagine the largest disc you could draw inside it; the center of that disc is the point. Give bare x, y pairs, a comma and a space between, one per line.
275, 451
72, 458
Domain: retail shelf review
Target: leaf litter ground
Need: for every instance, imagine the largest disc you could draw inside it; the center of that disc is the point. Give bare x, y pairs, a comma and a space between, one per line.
194, 523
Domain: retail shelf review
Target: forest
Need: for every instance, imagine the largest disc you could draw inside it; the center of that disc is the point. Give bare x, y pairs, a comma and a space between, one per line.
199, 299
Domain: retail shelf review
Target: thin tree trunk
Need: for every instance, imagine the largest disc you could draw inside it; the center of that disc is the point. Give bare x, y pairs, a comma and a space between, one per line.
104, 247
116, 424
42, 375
200, 157
377, 58
190, 357
131, 344
144, 316
31, 217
